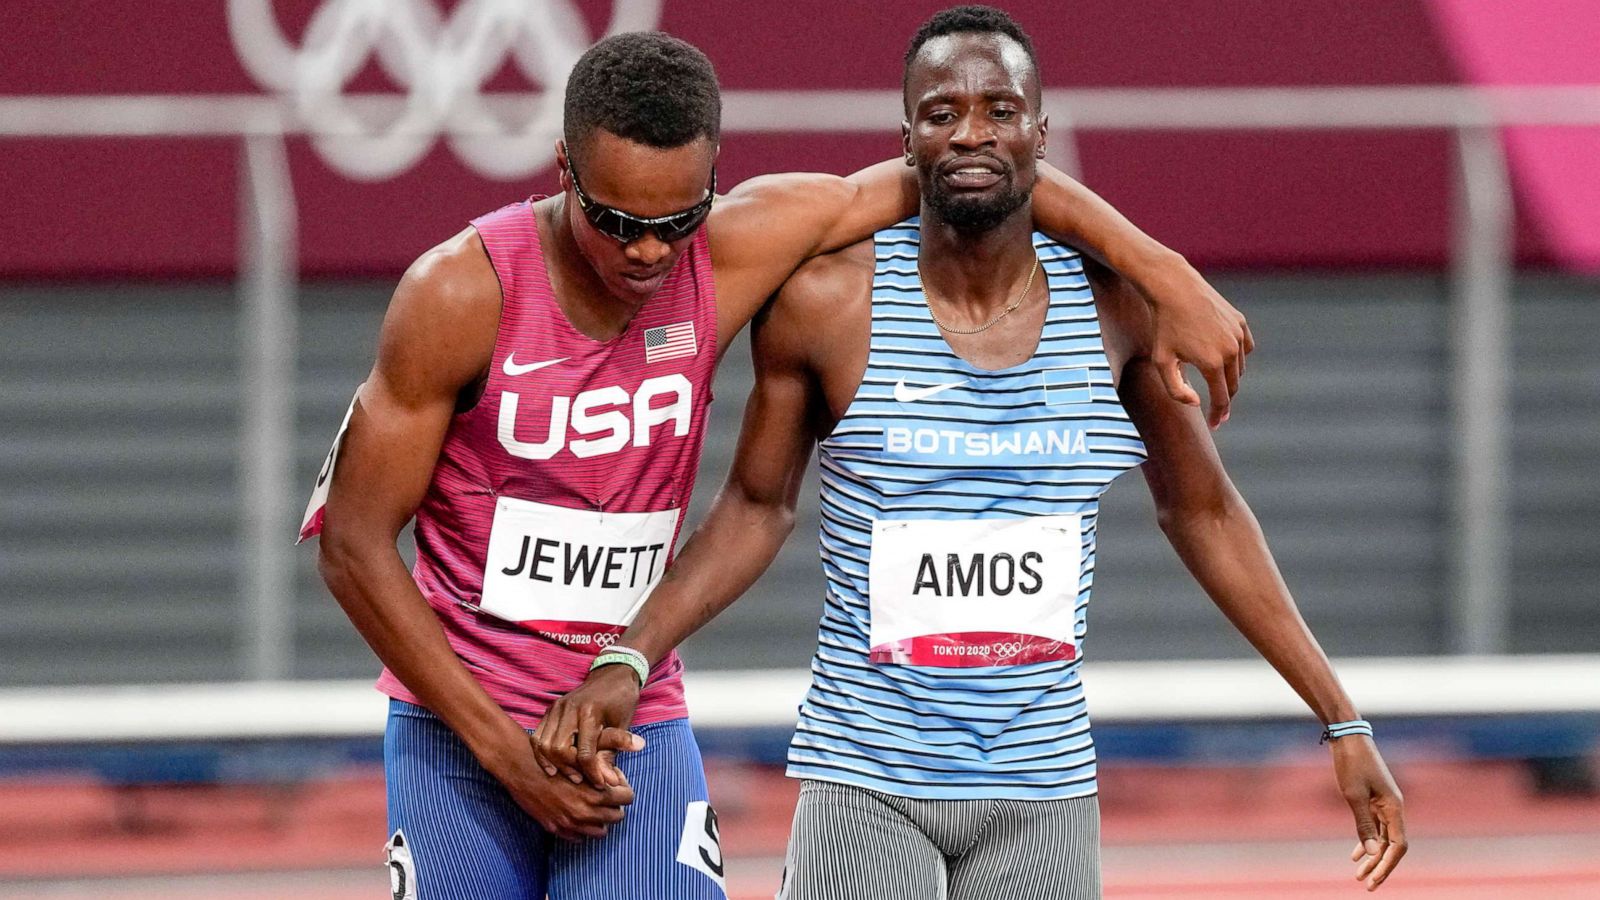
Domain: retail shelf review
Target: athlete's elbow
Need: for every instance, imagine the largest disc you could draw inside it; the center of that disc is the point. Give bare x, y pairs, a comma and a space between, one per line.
774, 521
759, 510
335, 562
1180, 516
340, 552
780, 522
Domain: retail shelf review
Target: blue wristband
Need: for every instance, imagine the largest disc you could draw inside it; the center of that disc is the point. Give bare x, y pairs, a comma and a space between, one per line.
1345, 729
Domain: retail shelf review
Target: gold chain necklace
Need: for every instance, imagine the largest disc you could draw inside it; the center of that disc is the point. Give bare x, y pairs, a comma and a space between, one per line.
927, 298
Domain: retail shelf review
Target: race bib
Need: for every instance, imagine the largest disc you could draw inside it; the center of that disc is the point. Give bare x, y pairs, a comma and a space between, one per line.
575, 575
992, 592
700, 845
311, 522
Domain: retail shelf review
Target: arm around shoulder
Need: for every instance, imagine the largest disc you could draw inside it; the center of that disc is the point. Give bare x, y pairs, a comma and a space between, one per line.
767, 226
1192, 322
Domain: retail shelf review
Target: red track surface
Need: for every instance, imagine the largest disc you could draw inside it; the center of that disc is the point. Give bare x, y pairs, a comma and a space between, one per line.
1476, 830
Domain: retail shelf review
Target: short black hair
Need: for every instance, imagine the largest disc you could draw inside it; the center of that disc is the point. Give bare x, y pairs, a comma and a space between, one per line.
970, 19
645, 86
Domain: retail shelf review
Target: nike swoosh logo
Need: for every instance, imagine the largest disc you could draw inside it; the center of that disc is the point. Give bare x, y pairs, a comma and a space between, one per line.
906, 394
512, 369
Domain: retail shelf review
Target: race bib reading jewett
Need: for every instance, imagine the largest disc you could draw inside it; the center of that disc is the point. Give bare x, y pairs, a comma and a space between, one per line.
577, 576
991, 592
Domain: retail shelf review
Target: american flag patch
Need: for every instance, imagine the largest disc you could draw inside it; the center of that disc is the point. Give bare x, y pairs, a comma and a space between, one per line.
669, 342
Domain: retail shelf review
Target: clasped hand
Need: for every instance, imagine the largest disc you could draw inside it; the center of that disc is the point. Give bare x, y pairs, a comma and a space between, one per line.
579, 738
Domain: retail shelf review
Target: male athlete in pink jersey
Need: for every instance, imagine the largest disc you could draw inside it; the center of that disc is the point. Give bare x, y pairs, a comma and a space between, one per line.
538, 404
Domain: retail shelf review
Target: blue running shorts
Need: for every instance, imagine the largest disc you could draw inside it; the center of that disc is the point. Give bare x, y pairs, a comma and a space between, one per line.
456, 833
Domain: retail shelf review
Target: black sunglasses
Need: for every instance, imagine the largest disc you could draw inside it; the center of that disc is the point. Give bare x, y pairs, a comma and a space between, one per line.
625, 228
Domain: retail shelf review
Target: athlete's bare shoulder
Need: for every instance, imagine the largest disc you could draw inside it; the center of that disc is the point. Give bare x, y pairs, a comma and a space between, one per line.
455, 277
829, 285
440, 329
821, 322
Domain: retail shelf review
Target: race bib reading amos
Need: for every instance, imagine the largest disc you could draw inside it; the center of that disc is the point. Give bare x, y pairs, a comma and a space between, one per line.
991, 592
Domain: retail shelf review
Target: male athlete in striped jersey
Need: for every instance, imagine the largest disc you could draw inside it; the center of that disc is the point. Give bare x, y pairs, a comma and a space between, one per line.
971, 400
538, 404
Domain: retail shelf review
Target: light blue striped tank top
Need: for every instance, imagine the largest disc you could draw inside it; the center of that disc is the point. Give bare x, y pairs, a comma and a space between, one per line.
955, 475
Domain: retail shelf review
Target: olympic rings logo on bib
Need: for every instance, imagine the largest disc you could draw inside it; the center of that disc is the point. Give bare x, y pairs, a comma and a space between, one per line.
1008, 649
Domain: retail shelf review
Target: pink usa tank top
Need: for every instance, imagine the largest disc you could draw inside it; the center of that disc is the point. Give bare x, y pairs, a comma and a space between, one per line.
557, 499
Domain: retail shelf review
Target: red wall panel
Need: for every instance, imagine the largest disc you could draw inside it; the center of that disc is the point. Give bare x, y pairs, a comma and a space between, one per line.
168, 206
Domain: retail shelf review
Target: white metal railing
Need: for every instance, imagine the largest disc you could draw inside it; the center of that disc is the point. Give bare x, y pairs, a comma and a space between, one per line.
1480, 270
1205, 691
874, 111
268, 233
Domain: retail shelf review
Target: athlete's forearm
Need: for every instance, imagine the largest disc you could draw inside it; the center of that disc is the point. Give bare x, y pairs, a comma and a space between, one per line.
1072, 214
754, 512
1192, 322
1227, 554
376, 591
884, 193
730, 550
764, 229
